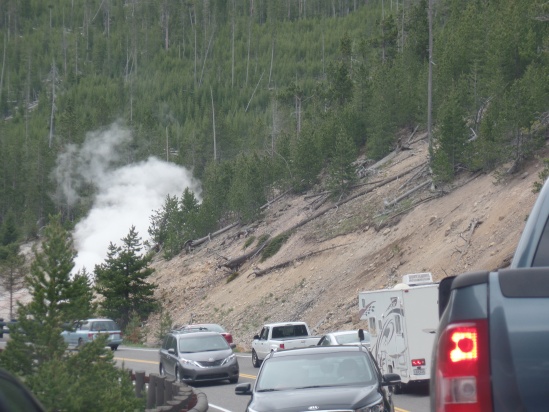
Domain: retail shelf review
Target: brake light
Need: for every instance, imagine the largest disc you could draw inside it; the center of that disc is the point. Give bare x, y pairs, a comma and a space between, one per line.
418, 362
90, 336
462, 380
281, 346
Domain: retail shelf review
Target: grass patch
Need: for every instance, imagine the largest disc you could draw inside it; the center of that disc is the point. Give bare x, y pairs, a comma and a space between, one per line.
232, 276
262, 239
248, 242
275, 245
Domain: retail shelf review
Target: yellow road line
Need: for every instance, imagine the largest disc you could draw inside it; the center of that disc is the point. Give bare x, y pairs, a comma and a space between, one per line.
401, 410
244, 375
137, 360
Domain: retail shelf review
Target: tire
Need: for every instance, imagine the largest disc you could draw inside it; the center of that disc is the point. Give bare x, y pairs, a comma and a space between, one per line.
255, 361
397, 389
177, 375
114, 347
233, 380
80, 343
161, 370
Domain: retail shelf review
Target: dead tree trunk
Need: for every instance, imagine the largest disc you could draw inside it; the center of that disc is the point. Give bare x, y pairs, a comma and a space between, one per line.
192, 243
408, 193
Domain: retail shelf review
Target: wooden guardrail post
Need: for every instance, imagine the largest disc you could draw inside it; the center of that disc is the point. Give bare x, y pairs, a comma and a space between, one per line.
151, 392
139, 383
168, 389
159, 392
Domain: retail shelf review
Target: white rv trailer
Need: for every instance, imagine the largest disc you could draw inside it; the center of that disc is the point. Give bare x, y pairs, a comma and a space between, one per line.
402, 322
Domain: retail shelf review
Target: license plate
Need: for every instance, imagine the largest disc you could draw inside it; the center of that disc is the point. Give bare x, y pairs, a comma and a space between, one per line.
419, 371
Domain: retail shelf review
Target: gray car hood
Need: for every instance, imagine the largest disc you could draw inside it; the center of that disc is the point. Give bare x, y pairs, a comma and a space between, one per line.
325, 398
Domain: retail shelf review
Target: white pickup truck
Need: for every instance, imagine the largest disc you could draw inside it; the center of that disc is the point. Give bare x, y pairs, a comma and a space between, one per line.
281, 336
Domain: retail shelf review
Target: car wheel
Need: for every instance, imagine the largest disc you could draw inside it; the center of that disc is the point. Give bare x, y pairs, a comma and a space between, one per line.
255, 360
177, 375
233, 380
114, 347
80, 343
161, 370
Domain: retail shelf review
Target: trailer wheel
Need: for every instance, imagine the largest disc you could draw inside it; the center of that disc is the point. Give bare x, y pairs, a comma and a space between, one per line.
397, 389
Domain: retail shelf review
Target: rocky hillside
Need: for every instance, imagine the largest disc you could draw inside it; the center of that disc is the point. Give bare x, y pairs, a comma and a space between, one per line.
396, 223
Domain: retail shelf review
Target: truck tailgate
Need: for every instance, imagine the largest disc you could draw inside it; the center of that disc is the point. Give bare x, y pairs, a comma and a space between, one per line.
519, 339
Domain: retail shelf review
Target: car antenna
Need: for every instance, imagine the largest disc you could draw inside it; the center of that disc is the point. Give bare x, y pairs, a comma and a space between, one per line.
361, 338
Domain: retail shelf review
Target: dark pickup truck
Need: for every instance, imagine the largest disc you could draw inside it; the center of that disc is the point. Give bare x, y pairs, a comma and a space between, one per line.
491, 350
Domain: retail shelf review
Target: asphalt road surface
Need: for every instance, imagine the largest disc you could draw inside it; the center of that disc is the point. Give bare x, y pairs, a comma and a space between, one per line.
221, 396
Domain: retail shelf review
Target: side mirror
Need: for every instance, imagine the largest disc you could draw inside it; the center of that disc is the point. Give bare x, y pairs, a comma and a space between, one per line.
232, 345
444, 289
256, 337
171, 351
243, 389
390, 379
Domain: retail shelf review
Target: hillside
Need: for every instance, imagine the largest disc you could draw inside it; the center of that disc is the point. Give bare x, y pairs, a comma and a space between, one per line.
474, 224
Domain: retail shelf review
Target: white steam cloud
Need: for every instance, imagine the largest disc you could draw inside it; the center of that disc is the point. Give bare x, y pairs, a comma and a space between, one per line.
126, 195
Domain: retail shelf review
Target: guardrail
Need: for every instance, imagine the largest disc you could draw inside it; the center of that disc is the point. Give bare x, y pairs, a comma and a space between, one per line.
166, 394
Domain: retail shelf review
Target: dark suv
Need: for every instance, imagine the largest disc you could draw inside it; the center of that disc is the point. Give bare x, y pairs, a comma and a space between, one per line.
198, 357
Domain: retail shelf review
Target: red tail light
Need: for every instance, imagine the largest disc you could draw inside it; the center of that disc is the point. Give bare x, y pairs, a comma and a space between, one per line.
418, 362
281, 346
90, 336
463, 369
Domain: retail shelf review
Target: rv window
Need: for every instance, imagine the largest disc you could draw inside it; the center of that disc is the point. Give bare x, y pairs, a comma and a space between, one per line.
372, 325
397, 325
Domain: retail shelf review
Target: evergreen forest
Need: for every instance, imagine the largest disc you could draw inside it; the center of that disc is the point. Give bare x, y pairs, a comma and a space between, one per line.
262, 96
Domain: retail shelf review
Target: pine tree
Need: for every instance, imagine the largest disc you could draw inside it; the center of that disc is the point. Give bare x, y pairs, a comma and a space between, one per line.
122, 281
342, 174
12, 277
55, 299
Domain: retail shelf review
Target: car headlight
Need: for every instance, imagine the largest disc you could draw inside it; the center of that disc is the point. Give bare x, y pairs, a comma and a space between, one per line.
378, 407
188, 362
228, 359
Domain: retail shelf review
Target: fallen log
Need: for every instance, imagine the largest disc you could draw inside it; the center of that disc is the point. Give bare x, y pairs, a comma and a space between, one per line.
262, 272
236, 262
192, 243
408, 193
269, 203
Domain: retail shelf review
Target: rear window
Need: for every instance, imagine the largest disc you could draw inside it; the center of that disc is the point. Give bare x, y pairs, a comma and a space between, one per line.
349, 338
288, 331
99, 325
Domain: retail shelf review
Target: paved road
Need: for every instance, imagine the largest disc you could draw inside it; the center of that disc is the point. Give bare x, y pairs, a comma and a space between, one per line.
221, 396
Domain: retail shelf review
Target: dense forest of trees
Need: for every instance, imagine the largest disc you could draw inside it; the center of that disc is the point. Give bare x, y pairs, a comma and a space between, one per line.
257, 96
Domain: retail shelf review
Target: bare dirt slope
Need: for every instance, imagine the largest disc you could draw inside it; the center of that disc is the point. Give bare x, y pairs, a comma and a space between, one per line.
475, 225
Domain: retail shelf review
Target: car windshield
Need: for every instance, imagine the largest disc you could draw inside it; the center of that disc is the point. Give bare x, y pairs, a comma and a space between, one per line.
191, 343
350, 338
316, 370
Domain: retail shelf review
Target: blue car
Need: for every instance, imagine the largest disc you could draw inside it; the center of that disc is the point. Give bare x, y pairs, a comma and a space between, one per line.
87, 330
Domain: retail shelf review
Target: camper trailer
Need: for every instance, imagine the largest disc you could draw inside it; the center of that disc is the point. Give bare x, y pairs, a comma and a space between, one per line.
402, 322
